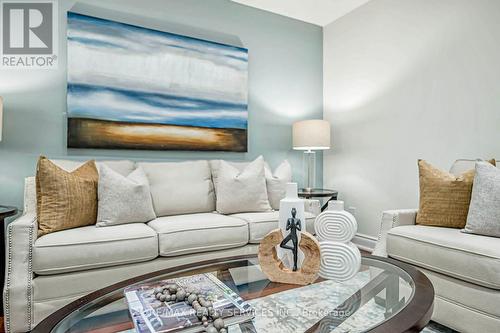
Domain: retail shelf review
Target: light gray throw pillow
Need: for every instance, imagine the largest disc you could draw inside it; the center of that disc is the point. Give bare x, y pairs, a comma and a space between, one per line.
123, 199
242, 191
484, 210
275, 182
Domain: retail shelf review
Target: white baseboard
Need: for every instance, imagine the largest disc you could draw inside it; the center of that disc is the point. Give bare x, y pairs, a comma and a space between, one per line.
365, 242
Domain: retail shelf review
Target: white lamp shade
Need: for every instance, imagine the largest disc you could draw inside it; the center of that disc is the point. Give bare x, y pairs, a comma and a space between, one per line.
311, 135
1, 117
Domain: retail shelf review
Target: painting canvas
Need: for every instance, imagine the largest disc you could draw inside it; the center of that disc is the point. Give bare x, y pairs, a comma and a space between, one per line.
136, 88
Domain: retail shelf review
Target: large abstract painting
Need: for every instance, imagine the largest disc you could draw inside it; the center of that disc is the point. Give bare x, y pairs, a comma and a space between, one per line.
135, 88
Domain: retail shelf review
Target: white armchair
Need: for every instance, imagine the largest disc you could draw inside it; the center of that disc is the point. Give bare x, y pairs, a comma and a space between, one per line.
391, 219
464, 268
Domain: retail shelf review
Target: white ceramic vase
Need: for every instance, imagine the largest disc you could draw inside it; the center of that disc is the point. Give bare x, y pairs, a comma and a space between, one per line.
335, 228
291, 201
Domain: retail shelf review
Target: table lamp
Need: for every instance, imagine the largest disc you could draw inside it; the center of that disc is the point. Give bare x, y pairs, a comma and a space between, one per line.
311, 135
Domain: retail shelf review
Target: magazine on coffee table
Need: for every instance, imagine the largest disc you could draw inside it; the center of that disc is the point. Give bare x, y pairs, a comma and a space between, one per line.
153, 316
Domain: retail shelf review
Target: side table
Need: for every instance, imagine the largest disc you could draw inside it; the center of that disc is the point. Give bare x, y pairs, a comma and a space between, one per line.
5, 211
319, 193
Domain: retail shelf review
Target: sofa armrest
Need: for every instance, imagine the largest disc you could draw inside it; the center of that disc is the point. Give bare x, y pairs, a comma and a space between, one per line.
312, 206
18, 291
391, 219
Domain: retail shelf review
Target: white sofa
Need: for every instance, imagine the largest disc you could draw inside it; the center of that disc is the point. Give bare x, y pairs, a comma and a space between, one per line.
46, 273
464, 268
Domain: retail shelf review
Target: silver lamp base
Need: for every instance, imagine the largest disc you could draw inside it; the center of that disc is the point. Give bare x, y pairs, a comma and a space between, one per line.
309, 164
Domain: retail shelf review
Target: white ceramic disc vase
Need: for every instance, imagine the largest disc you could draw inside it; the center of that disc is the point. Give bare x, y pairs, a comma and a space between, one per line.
335, 228
291, 201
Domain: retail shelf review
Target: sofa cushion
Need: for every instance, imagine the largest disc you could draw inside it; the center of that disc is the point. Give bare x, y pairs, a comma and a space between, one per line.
192, 233
180, 187
465, 294
471, 258
260, 224
92, 247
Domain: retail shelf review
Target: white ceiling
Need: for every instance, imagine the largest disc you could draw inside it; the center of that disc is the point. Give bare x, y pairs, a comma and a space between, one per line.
319, 12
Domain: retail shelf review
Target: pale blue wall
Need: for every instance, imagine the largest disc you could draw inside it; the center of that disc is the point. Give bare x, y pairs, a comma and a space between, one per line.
285, 84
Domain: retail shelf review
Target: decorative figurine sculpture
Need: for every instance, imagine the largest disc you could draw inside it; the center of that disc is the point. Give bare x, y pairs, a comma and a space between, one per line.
293, 224
274, 251
290, 202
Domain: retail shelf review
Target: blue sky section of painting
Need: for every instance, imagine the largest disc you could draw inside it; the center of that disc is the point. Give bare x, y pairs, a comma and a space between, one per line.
113, 102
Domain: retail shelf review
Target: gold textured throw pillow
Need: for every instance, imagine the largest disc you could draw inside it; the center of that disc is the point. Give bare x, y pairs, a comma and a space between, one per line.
65, 200
444, 197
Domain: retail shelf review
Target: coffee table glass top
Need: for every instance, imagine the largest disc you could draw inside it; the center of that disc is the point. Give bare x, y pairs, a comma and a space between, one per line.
381, 291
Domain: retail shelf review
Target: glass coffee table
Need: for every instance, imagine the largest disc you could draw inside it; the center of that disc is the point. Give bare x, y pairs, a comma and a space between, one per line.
385, 296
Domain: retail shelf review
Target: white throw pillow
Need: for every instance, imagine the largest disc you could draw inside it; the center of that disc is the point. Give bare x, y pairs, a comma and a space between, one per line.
215, 165
123, 199
276, 182
242, 191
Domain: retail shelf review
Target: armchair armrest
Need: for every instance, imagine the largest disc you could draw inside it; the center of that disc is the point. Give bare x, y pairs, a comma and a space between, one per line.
391, 219
18, 291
